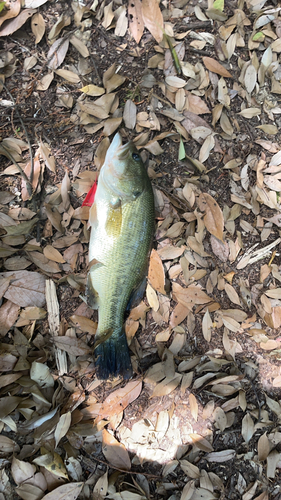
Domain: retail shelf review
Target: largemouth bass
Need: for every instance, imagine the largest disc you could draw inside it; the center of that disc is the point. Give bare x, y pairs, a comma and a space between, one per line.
122, 225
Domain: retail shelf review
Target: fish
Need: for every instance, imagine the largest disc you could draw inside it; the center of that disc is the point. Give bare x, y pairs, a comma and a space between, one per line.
122, 226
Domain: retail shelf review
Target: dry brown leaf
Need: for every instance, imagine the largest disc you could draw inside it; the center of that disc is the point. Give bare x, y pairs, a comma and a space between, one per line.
226, 124
7, 363
220, 419
118, 400
136, 23
79, 45
21, 213
37, 171
49, 160
167, 386
101, 486
22, 471
108, 16
272, 461
69, 76
156, 273
178, 315
12, 10
213, 217
38, 26
52, 254
131, 328
6, 220
232, 294
248, 428
275, 293
152, 298
69, 491
76, 347
62, 426
111, 125
27, 490
196, 104
45, 82
130, 114
190, 469
169, 252
84, 324
190, 296
270, 344
214, 66
115, 452
207, 326
4, 284
250, 78
122, 21
8, 315
92, 90
63, 21
152, 18
193, 406
263, 447
26, 288
7, 445
277, 381
54, 217
206, 148
13, 25
43, 263
220, 248
201, 442
57, 53
250, 112
221, 456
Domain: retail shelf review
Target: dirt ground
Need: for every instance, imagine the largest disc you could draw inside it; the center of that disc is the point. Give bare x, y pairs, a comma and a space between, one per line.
201, 417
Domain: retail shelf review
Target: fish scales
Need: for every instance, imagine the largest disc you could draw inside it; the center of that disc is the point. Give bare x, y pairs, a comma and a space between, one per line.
122, 221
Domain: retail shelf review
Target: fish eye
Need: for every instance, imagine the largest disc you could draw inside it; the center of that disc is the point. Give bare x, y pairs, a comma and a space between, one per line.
136, 157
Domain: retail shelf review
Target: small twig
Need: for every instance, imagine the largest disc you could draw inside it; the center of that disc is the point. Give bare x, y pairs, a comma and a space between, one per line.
27, 138
198, 51
198, 25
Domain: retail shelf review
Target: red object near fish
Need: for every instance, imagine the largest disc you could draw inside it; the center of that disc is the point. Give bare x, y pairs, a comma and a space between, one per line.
90, 198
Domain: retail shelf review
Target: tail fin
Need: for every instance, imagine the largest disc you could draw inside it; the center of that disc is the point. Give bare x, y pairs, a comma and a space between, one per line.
112, 357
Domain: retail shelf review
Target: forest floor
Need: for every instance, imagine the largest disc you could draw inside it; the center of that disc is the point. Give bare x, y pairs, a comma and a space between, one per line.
200, 418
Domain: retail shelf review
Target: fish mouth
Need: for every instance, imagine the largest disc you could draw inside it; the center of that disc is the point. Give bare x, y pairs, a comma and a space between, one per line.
117, 149
124, 151
114, 166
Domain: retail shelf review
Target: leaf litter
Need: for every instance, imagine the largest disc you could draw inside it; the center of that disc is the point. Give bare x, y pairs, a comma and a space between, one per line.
200, 419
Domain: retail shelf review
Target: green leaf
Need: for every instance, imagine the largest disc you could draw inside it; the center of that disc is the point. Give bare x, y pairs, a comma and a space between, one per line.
181, 151
258, 37
219, 5
2, 5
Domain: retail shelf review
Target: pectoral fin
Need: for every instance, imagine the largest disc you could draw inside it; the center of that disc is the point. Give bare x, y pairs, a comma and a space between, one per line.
93, 216
91, 294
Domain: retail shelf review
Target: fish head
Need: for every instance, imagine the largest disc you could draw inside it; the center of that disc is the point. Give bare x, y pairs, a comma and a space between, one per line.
123, 171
